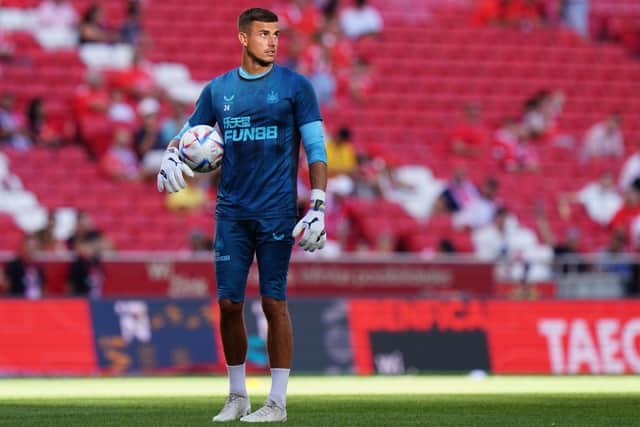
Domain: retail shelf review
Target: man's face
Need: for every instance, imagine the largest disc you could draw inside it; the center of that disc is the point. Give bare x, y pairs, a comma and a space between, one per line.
262, 42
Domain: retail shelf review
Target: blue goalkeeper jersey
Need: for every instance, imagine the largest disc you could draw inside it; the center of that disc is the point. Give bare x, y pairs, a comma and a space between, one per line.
260, 120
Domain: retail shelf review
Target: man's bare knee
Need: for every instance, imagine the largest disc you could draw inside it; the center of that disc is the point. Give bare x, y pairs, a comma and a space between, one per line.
273, 307
230, 308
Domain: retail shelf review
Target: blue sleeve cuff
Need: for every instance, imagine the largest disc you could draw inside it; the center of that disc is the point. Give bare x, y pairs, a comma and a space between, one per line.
313, 141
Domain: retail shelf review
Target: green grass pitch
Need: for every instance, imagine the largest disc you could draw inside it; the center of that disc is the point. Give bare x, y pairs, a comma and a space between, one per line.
329, 401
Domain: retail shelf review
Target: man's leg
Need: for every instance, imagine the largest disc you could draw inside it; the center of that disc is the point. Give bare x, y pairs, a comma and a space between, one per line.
234, 343
279, 346
233, 256
279, 334
273, 251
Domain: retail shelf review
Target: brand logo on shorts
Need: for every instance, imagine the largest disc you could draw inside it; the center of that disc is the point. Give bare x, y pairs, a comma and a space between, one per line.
220, 258
278, 236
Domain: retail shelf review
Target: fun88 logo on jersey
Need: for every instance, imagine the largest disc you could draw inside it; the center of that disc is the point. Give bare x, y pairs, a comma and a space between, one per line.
238, 129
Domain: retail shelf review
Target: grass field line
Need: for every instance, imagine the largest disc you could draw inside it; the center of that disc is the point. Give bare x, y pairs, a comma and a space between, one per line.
50, 388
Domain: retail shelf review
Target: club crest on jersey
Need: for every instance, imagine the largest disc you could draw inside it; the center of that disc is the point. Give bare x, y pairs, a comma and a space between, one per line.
272, 97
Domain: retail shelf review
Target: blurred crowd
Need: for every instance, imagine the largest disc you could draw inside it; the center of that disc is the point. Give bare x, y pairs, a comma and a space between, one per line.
575, 14
322, 44
24, 276
125, 121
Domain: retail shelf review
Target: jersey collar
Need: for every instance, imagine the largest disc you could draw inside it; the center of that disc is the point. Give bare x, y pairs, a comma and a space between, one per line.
246, 76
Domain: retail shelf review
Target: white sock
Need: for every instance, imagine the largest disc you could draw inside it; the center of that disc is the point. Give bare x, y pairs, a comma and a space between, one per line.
237, 376
279, 380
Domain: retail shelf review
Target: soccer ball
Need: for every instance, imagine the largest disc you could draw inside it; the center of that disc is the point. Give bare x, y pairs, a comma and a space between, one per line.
201, 148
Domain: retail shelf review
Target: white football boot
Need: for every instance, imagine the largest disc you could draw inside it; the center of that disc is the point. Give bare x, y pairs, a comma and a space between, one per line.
269, 413
235, 407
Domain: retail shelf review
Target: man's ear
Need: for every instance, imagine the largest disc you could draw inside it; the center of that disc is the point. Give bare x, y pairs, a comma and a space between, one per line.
244, 39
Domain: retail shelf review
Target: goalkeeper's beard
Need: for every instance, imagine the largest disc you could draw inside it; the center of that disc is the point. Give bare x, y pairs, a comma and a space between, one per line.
259, 61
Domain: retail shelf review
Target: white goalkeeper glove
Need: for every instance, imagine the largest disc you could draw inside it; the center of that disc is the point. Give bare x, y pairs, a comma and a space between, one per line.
314, 235
170, 176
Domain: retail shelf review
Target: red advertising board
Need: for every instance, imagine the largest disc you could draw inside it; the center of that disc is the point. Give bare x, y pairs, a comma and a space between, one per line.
547, 337
367, 316
564, 337
46, 337
183, 275
365, 335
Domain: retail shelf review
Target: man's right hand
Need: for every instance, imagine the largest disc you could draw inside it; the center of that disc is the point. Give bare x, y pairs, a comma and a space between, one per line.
170, 176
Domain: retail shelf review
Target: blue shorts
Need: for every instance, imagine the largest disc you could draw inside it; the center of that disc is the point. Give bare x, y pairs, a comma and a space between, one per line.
236, 243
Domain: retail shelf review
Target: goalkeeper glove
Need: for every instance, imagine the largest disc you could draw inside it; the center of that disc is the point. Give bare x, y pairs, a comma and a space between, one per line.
170, 176
312, 224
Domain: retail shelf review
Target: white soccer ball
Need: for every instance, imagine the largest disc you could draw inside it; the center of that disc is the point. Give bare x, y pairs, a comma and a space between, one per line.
201, 148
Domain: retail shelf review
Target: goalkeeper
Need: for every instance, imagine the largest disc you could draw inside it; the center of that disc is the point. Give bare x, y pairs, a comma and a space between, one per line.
263, 111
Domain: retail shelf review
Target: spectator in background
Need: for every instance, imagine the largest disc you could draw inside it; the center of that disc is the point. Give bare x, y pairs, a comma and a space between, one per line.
494, 237
47, 240
360, 20
85, 227
316, 65
86, 274
120, 111
623, 218
506, 138
614, 258
366, 183
92, 28
470, 136
23, 276
551, 107
91, 99
12, 125
630, 169
481, 209
131, 31
341, 155
361, 81
513, 150
173, 124
148, 140
120, 162
516, 248
40, 130
533, 118
604, 139
192, 198
458, 194
136, 81
600, 200
570, 246
302, 17
58, 15
575, 14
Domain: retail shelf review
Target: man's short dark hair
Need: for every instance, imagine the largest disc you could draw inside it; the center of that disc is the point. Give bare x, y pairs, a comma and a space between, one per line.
255, 14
